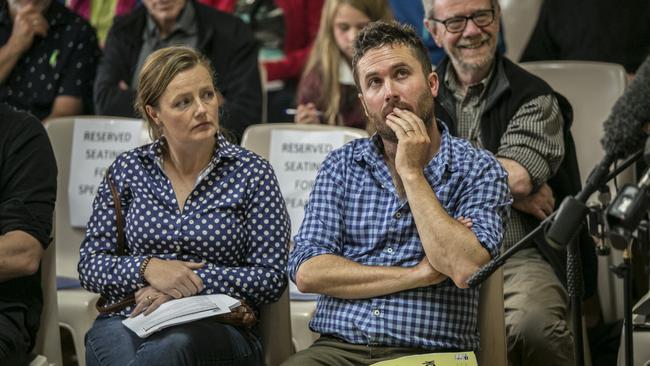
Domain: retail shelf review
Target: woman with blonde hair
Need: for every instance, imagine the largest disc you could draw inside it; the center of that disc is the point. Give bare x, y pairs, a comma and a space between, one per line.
189, 214
327, 93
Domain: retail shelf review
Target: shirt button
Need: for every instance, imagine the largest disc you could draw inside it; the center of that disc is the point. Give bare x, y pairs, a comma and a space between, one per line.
389, 250
376, 312
398, 215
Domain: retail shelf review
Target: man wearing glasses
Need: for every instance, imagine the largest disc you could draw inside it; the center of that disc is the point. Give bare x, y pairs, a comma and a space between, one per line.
498, 106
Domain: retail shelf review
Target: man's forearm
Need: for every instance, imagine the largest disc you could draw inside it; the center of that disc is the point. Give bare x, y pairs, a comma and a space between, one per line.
451, 248
20, 255
519, 181
8, 59
345, 279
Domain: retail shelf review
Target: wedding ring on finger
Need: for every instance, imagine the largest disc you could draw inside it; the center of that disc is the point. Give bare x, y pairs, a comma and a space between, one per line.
409, 130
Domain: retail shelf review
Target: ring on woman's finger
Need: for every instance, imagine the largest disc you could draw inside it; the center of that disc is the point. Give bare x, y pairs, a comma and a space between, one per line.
151, 298
409, 130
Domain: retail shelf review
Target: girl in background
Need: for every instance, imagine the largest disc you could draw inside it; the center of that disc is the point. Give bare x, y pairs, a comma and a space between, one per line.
326, 93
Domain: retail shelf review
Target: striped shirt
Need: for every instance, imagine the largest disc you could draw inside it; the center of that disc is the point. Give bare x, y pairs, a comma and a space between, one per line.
354, 211
533, 138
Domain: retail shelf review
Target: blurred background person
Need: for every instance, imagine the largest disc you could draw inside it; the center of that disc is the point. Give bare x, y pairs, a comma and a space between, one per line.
100, 13
201, 216
326, 93
48, 59
27, 195
607, 31
285, 30
223, 38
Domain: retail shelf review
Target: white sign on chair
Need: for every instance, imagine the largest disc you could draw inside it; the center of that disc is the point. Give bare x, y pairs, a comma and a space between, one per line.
95, 144
296, 157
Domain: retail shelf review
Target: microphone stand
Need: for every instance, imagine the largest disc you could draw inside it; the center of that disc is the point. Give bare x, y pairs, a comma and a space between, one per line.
570, 210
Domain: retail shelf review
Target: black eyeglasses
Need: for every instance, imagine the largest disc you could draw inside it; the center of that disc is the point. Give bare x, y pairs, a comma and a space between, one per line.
481, 18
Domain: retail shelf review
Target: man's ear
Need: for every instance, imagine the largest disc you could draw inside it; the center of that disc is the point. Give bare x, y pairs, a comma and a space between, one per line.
363, 103
433, 31
433, 83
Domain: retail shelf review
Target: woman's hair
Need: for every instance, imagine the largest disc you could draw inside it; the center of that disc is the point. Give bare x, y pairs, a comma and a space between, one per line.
159, 69
325, 54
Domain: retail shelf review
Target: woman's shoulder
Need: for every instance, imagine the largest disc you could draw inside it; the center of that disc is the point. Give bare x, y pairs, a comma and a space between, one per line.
131, 160
247, 157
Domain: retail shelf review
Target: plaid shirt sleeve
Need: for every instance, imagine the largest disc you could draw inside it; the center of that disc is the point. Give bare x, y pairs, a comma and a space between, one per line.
534, 138
322, 227
486, 200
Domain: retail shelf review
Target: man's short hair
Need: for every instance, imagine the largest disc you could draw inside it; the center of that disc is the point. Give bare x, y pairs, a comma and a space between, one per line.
428, 7
379, 34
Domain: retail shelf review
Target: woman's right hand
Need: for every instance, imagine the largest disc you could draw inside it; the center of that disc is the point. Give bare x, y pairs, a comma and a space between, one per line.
148, 299
307, 114
173, 277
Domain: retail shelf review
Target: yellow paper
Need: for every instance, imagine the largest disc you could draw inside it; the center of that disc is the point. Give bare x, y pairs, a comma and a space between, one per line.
434, 359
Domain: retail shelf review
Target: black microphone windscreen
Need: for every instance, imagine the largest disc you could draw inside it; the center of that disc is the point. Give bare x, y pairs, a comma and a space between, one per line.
623, 128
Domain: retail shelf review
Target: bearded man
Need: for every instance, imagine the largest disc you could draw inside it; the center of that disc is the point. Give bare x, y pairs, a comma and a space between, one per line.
383, 239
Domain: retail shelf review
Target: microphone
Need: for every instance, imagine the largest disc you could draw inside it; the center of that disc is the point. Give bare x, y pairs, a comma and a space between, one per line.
623, 136
629, 207
624, 133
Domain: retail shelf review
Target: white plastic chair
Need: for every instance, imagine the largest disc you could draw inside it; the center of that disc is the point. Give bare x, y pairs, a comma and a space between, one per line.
48, 340
592, 88
275, 330
76, 306
257, 138
519, 18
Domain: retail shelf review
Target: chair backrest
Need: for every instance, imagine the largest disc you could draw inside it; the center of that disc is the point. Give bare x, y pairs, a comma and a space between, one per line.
275, 331
48, 340
592, 88
275, 318
68, 238
491, 322
257, 138
519, 18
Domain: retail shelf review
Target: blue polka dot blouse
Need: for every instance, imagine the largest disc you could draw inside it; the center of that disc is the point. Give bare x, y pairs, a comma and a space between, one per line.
234, 220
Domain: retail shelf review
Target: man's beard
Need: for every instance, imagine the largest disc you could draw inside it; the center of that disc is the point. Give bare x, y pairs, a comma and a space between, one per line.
484, 60
424, 110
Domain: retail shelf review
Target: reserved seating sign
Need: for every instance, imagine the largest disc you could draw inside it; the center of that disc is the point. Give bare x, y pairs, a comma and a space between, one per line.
296, 157
95, 144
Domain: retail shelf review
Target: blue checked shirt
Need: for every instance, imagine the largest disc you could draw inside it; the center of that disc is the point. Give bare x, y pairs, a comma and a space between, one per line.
354, 212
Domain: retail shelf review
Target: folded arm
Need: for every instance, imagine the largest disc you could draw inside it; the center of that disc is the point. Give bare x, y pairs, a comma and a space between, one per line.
339, 277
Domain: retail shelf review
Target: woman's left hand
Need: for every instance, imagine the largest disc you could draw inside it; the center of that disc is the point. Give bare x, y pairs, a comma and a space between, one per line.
148, 299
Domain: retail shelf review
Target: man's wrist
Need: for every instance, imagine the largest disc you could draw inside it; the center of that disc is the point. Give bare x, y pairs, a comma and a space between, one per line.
412, 177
